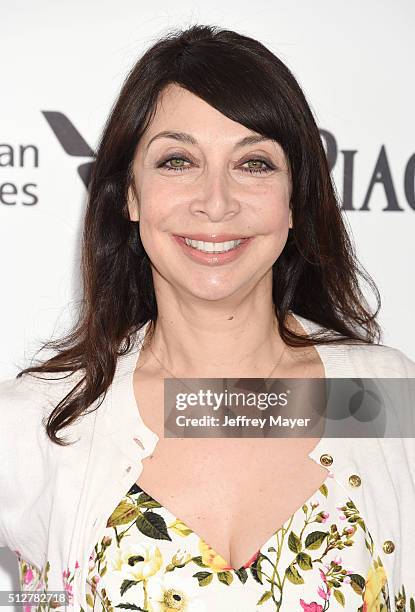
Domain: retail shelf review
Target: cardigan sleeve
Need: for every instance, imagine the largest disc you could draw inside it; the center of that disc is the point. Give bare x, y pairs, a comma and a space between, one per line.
23, 451
9, 431
28, 460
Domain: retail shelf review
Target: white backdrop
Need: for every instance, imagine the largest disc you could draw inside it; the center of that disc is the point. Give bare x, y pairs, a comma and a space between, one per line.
353, 59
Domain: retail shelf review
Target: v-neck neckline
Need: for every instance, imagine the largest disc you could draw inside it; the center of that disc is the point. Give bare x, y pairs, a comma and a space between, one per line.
327, 483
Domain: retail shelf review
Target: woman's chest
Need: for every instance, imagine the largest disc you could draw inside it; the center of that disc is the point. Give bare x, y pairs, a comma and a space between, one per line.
233, 493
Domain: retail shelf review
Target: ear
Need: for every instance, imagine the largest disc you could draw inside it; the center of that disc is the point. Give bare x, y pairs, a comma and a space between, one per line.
133, 207
291, 218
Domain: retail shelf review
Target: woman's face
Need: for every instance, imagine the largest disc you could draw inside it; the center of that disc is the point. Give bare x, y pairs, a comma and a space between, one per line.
199, 180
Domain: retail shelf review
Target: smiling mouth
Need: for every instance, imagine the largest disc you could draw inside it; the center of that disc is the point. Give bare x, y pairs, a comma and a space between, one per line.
213, 247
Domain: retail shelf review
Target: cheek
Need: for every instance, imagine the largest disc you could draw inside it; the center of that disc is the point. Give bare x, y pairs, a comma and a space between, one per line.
157, 200
153, 209
274, 212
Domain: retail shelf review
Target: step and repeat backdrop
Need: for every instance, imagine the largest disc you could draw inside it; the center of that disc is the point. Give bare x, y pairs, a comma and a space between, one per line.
61, 68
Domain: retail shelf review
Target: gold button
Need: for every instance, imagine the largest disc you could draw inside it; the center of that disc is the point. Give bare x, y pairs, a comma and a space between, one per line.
326, 459
388, 546
400, 603
355, 480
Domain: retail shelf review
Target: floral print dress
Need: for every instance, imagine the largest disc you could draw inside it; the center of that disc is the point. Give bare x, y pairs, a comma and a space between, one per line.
322, 558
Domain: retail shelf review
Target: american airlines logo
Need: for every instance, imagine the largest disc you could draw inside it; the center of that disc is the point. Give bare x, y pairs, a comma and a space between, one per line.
76, 146
72, 142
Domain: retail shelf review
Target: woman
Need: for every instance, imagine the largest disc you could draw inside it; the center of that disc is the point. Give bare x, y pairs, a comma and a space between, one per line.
213, 246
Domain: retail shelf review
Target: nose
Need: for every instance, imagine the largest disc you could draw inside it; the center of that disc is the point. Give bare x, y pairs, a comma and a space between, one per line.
216, 197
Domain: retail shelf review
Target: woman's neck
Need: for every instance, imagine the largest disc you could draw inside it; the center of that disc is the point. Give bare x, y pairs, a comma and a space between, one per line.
224, 351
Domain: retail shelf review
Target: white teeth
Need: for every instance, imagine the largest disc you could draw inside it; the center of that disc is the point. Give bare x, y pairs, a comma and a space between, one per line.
212, 247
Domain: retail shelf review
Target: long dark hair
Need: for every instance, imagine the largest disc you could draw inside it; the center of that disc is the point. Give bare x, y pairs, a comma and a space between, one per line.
316, 275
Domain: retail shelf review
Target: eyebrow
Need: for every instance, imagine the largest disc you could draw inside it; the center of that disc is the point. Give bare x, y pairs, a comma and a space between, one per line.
188, 139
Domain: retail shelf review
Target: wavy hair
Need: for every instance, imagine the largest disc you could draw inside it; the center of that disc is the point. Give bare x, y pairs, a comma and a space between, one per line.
316, 274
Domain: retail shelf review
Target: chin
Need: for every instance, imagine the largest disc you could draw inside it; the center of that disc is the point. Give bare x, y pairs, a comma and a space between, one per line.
212, 294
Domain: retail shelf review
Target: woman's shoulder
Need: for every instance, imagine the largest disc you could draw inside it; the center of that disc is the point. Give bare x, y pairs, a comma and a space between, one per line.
381, 360
364, 359
27, 401
20, 401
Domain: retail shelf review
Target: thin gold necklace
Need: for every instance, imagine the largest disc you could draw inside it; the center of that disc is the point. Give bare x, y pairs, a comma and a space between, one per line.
177, 378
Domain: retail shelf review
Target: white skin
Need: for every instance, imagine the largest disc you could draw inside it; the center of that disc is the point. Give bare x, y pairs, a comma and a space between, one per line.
219, 320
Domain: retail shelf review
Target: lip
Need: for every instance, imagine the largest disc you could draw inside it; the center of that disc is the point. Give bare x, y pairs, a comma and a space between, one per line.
213, 259
214, 237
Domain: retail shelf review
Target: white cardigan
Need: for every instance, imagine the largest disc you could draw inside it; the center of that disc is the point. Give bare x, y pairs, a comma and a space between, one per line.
55, 501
